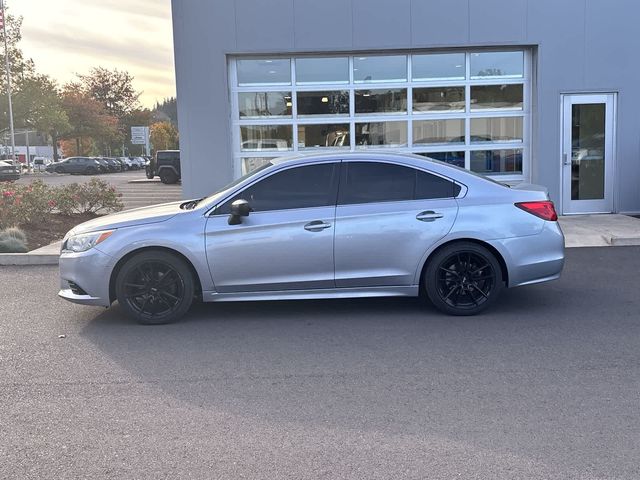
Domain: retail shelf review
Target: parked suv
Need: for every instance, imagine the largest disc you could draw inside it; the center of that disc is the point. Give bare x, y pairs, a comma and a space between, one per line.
77, 165
166, 165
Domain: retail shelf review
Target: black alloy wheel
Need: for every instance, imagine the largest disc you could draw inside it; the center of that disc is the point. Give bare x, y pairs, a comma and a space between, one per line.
155, 287
463, 279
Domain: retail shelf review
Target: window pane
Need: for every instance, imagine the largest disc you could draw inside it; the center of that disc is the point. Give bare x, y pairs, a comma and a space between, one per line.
329, 135
381, 134
264, 104
368, 182
588, 149
322, 70
323, 103
438, 66
438, 131
452, 158
252, 72
500, 129
438, 99
299, 187
485, 97
250, 164
497, 64
266, 137
380, 69
431, 186
381, 101
497, 161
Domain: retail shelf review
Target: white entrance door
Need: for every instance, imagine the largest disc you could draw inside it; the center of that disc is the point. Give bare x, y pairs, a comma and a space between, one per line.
588, 153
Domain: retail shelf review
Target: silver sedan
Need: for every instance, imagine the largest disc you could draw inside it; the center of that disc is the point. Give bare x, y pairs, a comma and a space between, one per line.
321, 226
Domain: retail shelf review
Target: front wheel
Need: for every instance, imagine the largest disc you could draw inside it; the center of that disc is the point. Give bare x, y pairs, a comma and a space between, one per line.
149, 173
463, 279
155, 287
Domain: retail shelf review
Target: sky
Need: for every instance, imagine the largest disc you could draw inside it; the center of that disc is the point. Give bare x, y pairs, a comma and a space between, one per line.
65, 37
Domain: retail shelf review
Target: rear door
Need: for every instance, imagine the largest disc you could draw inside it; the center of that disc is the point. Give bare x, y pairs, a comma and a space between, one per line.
387, 217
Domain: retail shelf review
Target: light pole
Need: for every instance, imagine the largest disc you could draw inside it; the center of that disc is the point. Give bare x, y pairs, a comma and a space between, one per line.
8, 71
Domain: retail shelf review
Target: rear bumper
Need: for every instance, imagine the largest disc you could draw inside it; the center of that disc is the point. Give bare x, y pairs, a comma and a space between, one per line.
535, 258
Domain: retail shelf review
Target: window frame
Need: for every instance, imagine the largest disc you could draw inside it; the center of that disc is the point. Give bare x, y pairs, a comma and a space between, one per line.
344, 170
408, 117
333, 192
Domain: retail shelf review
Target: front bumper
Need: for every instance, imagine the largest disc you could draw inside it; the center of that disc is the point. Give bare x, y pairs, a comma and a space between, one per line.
90, 271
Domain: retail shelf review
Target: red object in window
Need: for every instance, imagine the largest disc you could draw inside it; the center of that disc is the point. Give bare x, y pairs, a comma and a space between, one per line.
542, 209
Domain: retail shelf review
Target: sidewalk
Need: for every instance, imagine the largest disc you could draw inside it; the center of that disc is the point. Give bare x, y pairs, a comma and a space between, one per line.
579, 231
600, 230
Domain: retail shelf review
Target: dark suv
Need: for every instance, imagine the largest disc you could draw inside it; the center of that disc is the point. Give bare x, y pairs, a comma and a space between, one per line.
166, 165
79, 165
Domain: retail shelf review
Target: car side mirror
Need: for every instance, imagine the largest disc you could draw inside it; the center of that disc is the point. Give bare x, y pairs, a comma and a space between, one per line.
239, 208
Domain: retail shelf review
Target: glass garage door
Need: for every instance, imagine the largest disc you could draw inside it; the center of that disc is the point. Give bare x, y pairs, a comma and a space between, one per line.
470, 109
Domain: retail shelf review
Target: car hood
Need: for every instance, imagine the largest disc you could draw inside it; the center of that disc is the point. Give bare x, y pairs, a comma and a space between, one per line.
130, 218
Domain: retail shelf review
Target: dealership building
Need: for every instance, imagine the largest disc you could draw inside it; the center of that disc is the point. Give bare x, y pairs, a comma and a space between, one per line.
536, 91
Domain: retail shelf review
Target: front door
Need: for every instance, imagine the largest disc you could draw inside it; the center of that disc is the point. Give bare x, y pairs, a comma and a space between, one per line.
587, 153
286, 243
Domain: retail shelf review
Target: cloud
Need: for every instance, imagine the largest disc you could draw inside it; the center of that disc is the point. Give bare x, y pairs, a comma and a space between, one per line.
71, 36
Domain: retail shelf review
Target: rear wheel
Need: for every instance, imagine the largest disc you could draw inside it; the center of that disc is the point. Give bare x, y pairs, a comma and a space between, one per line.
463, 279
155, 287
168, 176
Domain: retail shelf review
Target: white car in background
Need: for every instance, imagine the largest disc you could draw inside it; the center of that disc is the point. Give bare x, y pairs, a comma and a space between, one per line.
40, 163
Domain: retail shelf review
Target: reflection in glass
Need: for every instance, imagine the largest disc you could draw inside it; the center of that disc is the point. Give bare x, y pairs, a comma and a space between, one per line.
250, 164
333, 135
264, 104
266, 137
256, 72
438, 99
452, 158
391, 68
438, 66
381, 101
497, 64
484, 97
499, 129
438, 131
323, 103
496, 162
381, 134
587, 151
322, 70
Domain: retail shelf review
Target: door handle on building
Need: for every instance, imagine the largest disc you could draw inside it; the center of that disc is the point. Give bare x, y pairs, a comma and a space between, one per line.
565, 159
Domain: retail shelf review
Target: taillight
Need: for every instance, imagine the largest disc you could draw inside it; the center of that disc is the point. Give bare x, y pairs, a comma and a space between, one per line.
543, 209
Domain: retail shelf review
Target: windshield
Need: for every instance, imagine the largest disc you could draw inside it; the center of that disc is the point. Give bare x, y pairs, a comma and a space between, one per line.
229, 186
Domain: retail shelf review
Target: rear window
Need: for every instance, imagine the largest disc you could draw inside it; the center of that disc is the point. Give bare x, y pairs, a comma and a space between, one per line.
168, 155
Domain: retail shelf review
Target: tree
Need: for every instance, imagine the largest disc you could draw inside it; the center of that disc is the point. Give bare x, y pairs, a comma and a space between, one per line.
164, 136
87, 117
20, 67
113, 89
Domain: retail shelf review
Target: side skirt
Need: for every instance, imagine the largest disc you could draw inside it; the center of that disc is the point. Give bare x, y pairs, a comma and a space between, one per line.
359, 292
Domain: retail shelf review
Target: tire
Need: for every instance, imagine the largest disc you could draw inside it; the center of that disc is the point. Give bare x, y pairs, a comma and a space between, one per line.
149, 173
59, 170
463, 279
168, 176
155, 287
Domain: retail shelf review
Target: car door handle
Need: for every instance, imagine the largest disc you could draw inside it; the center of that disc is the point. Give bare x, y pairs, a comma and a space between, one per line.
429, 216
316, 226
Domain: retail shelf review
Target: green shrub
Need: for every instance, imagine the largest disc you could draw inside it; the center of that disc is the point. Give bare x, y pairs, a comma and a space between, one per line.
12, 245
14, 232
95, 196
33, 203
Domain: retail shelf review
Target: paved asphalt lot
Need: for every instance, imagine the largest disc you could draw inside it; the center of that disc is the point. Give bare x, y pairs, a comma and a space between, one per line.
116, 179
546, 386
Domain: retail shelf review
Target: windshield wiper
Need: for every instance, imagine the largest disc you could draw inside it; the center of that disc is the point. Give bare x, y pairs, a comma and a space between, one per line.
191, 204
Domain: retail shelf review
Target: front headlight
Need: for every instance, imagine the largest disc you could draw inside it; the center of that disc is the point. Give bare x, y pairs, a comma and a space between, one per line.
85, 241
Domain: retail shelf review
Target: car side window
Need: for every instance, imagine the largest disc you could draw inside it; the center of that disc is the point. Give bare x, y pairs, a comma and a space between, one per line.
373, 182
298, 187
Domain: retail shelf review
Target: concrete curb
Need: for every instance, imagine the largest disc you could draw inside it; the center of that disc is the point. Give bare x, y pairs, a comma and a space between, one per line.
26, 259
